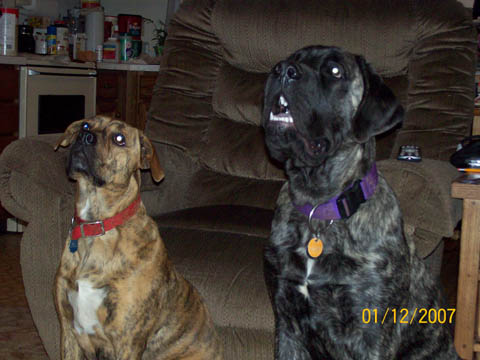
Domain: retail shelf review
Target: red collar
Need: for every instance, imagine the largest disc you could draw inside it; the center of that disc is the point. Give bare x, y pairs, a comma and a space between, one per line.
84, 228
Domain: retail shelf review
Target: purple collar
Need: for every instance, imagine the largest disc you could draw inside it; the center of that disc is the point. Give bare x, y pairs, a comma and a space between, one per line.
347, 203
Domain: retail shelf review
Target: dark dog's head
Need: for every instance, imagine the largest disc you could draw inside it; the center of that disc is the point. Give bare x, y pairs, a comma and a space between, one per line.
107, 151
320, 99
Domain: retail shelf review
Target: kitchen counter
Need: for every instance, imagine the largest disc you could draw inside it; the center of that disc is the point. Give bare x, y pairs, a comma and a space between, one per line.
127, 66
64, 61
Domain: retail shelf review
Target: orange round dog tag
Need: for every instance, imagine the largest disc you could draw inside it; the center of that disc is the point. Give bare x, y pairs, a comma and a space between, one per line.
315, 247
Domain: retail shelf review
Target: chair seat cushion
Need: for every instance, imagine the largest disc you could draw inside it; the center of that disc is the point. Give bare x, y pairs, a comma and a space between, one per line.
227, 269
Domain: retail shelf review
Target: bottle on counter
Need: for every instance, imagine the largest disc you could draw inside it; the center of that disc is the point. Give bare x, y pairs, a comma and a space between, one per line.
99, 53
26, 41
126, 50
52, 40
8, 31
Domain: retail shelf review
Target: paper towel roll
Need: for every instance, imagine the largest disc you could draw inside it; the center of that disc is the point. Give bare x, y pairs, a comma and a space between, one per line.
94, 28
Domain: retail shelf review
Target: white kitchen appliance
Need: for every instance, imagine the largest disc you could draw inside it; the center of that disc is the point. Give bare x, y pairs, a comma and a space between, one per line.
51, 98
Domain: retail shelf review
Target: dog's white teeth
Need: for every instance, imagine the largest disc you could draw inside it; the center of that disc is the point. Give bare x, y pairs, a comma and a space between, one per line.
282, 101
282, 118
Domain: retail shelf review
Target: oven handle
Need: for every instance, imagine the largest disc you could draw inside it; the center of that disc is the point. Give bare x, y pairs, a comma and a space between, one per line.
35, 73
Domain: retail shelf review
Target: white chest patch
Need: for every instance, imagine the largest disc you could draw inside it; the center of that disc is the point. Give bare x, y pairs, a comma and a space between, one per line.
303, 288
85, 303
84, 212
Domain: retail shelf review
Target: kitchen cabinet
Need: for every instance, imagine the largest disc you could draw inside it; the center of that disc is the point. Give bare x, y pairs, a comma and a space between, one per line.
8, 112
125, 95
8, 104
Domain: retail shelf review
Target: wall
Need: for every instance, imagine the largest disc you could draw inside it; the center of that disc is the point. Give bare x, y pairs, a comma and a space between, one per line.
467, 3
152, 9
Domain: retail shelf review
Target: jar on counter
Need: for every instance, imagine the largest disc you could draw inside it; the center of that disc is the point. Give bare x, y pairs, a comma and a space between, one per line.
62, 41
52, 40
41, 43
79, 44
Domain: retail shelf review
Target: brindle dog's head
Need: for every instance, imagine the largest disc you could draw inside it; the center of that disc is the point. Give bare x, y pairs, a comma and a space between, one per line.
321, 99
107, 151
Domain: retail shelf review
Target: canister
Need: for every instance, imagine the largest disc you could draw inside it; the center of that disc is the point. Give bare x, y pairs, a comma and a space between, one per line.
62, 39
40, 43
111, 50
8, 31
52, 40
130, 25
109, 25
94, 28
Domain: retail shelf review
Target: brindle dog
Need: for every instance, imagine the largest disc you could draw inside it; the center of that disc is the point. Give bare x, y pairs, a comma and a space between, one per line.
117, 294
337, 251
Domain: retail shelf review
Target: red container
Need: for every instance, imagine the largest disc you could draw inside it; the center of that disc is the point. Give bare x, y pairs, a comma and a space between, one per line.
88, 4
130, 25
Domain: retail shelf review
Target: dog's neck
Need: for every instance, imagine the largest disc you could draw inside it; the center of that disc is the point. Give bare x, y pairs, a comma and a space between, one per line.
97, 203
319, 184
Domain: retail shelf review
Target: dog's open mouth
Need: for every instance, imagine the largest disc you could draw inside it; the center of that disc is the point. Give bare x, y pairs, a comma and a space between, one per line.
280, 112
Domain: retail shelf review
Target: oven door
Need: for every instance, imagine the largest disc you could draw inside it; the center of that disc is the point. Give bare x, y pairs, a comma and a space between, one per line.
51, 98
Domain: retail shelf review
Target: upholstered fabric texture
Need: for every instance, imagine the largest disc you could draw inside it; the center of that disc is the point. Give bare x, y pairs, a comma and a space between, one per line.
215, 204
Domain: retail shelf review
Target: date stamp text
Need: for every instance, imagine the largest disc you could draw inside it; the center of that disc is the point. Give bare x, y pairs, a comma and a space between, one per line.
406, 316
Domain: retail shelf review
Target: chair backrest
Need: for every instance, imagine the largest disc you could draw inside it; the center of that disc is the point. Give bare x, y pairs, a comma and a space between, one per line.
209, 92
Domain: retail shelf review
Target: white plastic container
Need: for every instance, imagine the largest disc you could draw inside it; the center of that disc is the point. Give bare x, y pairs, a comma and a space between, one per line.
94, 28
8, 31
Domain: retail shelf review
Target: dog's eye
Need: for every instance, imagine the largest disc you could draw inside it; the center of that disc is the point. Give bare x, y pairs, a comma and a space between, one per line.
85, 126
335, 70
119, 139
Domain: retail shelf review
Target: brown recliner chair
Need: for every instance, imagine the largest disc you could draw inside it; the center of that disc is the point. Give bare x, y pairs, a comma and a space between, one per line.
215, 205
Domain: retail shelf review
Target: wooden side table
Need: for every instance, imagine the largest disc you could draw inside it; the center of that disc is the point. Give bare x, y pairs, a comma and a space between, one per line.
467, 320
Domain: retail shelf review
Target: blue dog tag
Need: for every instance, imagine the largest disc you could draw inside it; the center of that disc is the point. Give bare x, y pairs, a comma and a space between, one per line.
73, 245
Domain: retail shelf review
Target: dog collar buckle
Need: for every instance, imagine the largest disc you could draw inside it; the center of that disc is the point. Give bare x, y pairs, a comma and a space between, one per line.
92, 228
82, 229
347, 203
350, 200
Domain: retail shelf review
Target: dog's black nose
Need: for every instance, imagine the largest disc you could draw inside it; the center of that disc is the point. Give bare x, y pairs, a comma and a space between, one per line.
88, 138
287, 71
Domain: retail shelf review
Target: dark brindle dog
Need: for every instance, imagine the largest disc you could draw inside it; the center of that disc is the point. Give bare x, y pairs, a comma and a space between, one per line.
337, 251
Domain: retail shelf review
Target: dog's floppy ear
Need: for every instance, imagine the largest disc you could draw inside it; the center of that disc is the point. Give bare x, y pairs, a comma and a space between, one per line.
149, 159
69, 135
379, 109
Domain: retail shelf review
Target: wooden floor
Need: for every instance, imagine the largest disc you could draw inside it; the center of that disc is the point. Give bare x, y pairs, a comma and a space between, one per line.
19, 338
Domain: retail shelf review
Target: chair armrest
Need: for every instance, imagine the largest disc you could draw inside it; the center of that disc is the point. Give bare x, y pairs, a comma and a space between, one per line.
29, 170
423, 191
